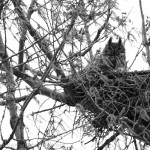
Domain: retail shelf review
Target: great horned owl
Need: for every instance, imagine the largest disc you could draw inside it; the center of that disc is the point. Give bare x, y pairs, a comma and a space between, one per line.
113, 57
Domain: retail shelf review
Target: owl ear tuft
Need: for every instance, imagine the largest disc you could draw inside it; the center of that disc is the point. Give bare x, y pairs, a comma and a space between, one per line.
110, 41
120, 41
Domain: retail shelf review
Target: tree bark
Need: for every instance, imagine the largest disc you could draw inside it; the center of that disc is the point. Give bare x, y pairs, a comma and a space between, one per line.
10, 100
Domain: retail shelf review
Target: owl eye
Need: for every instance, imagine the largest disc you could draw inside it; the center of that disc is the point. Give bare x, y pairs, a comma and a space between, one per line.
109, 50
122, 49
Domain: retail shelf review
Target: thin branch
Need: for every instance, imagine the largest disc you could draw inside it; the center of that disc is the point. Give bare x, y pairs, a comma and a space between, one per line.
50, 109
135, 144
108, 141
43, 44
144, 38
96, 37
23, 37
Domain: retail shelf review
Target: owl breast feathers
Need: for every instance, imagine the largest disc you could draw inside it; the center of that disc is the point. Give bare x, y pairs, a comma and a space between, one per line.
112, 58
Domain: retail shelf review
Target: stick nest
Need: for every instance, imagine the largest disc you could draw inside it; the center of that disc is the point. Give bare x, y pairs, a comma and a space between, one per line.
114, 101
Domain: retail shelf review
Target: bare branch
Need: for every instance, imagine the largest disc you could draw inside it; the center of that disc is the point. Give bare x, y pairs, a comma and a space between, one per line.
43, 44
144, 38
108, 141
23, 36
11, 104
96, 37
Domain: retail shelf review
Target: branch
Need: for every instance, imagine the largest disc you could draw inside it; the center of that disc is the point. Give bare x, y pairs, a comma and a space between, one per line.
144, 39
42, 44
23, 37
11, 104
96, 37
34, 84
108, 141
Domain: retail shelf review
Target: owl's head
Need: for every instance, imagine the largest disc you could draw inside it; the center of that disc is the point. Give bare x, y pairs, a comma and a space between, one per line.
114, 48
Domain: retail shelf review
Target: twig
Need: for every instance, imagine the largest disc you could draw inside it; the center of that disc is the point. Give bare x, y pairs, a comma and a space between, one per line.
37, 112
144, 39
108, 141
96, 37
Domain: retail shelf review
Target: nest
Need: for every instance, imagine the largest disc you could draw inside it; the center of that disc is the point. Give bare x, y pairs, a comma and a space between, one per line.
114, 101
